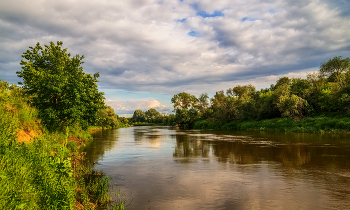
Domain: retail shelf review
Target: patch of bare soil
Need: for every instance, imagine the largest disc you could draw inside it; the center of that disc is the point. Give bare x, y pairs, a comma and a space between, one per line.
27, 135
94, 130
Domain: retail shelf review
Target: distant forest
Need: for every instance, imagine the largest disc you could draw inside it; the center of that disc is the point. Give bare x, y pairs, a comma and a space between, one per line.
322, 92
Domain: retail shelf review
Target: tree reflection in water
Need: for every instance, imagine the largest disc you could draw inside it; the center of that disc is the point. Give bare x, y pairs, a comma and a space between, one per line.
229, 170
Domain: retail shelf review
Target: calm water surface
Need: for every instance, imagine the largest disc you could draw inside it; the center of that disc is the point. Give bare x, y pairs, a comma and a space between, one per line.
161, 168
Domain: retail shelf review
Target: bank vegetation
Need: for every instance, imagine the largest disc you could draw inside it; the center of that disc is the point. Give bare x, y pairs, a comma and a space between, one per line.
44, 124
318, 103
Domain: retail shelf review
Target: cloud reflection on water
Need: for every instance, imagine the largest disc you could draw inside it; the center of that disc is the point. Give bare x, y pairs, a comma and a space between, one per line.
202, 170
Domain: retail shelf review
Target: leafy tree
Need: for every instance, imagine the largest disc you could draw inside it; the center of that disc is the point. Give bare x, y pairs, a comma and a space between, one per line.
139, 116
123, 120
333, 67
61, 90
344, 100
282, 81
266, 108
300, 87
241, 91
241, 102
316, 84
184, 100
169, 119
152, 115
185, 117
289, 105
220, 107
203, 104
185, 107
107, 117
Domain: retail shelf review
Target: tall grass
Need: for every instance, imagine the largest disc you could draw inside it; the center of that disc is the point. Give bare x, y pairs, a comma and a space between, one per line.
31, 178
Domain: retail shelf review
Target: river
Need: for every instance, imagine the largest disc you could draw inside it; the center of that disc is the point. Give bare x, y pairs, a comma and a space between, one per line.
163, 168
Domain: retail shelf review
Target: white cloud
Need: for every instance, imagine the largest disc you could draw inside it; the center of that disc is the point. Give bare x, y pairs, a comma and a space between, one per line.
141, 45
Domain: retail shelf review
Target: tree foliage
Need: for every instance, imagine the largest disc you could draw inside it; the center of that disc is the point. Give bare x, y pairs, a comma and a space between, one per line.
107, 117
335, 66
139, 116
186, 107
61, 90
321, 92
184, 100
152, 116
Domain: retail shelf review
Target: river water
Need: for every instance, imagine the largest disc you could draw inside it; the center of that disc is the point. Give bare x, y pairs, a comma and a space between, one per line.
162, 168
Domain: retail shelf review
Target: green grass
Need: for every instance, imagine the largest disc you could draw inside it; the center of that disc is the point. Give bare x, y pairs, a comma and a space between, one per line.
109, 127
33, 179
319, 124
143, 124
150, 124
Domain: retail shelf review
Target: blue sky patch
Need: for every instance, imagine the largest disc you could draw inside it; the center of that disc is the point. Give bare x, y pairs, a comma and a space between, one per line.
193, 33
202, 13
248, 18
194, 6
181, 20
214, 14
272, 11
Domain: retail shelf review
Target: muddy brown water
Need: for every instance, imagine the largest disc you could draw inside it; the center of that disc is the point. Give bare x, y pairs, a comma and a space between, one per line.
163, 168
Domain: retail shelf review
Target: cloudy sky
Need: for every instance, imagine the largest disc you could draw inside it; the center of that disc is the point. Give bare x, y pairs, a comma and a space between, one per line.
148, 50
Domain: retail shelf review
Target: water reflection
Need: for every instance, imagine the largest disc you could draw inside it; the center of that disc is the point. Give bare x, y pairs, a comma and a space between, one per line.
291, 152
104, 141
169, 169
185, 147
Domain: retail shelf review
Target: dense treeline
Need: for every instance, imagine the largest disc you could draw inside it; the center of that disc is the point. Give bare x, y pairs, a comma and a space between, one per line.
321, 93
152, 117
107, 118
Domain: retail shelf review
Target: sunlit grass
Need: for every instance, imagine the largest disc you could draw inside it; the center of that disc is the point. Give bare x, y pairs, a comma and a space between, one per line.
307, 125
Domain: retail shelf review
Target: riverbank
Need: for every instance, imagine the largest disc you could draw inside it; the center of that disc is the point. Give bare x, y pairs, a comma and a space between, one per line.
47, 172
41, 169
144, 124
151, 124
317, 124
93, 129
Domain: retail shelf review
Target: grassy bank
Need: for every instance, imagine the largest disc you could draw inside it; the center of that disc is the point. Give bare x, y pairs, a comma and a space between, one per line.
150, 124
317, 124
144, 124
41, 169
98, 128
